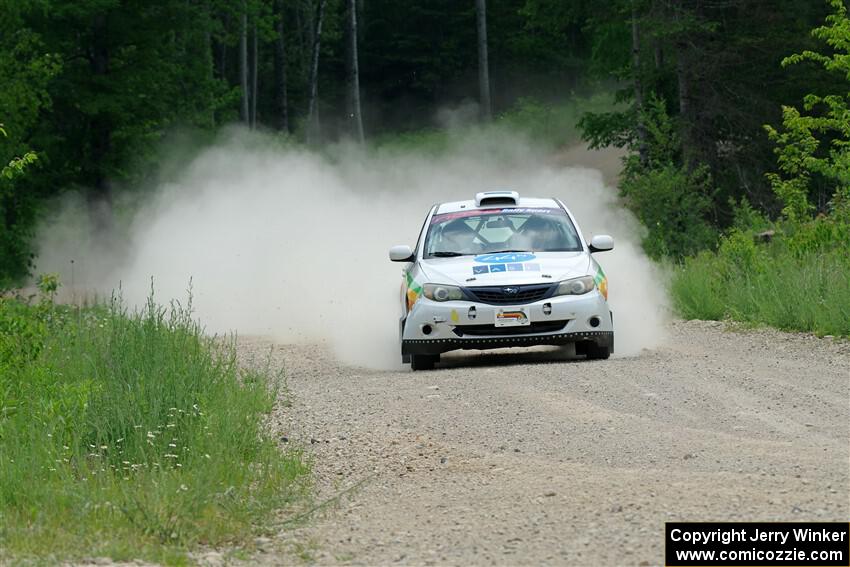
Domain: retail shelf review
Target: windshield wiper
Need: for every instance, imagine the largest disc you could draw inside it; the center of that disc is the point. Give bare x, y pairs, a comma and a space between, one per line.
506, 251
447, 254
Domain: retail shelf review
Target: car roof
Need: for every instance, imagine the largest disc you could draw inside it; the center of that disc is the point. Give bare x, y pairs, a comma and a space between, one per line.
524, 202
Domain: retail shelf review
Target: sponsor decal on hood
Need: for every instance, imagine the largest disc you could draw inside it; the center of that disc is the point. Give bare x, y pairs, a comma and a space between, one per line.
466, 271
505, 257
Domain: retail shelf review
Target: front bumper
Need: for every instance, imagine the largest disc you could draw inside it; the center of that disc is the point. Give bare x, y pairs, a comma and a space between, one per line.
439, 346
436, 327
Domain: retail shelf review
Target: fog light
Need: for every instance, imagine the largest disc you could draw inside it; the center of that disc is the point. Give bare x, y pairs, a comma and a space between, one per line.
547, 308
426, 329
471, 313
594, 321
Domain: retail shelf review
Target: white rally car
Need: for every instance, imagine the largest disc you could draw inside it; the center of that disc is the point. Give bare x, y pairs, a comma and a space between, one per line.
502, 271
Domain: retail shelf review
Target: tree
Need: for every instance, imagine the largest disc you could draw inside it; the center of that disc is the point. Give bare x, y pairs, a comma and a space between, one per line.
312, 108
245, 111
254, 74
353, 73
15, 229
282, 111
483, 64
817, 144
714, 66
26, 70
638, 88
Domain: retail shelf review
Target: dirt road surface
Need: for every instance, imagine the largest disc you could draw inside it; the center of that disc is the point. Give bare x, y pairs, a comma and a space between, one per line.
527, 458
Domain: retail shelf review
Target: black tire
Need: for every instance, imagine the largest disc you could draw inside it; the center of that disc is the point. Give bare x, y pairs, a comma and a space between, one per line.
423, 361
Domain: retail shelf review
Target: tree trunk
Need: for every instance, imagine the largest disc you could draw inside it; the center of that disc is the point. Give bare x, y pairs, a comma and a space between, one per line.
643, 151
685, 111
254, 79
312, 109
483, 65
100, 140
282, 122
209, 54
244, 111
683, 78
355, 118
657, 13
222, 61
303, 31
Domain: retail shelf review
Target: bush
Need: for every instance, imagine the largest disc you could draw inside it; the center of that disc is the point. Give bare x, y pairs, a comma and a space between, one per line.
130, 434
800, 281
673, 205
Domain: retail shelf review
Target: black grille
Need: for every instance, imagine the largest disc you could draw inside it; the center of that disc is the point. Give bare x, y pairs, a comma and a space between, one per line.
494, 331
496, 295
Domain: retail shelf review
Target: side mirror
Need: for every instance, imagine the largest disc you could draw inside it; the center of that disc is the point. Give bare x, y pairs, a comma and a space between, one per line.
401, 253
601, 243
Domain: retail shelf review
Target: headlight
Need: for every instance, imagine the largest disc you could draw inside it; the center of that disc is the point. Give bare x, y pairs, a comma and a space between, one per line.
439, 292
576, 286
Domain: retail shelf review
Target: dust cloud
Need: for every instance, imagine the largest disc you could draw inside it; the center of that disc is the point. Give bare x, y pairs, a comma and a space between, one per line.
293, 244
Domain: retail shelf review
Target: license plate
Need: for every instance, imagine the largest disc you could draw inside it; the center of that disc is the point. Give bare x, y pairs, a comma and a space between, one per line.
513, 317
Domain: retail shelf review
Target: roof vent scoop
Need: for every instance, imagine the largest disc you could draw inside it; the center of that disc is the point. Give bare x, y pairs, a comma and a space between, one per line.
496, 198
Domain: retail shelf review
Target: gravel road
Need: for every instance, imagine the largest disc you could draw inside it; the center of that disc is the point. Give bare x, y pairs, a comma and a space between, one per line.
526, 457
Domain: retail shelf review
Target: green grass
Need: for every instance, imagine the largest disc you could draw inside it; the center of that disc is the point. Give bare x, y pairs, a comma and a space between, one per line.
131, 435
780, 284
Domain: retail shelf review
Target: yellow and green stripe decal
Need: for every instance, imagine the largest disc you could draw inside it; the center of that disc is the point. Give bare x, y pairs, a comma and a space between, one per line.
414, 290
601, 282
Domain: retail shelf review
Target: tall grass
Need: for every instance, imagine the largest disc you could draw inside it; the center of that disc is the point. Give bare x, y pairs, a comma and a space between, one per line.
130, 435
795, 283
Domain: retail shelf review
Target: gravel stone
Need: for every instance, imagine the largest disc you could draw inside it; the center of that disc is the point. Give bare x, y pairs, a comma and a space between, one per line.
720, 424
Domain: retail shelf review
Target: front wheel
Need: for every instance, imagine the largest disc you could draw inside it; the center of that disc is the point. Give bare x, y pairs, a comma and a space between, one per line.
423, 361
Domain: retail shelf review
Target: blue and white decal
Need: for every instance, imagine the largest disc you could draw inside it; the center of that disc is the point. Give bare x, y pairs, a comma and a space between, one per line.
480, 269
507, 257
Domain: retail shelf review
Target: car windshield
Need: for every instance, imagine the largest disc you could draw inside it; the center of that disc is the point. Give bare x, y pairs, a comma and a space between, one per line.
501, 230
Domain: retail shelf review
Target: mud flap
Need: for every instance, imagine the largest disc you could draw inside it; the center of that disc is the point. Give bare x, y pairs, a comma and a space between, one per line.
405, 358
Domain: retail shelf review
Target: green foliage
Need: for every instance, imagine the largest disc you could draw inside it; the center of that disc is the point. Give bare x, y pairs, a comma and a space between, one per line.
816, 144
18, 166
800, 281
614, 128
26, 72
15, 258
93, 87
130, 435
747, 218
550, 34
673, 205
48, 285
715, 66
22, 332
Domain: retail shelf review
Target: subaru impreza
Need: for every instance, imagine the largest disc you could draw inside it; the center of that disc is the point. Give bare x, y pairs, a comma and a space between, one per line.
502, 271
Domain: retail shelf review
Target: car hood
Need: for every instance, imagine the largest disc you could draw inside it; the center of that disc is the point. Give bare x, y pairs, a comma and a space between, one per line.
502, 269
